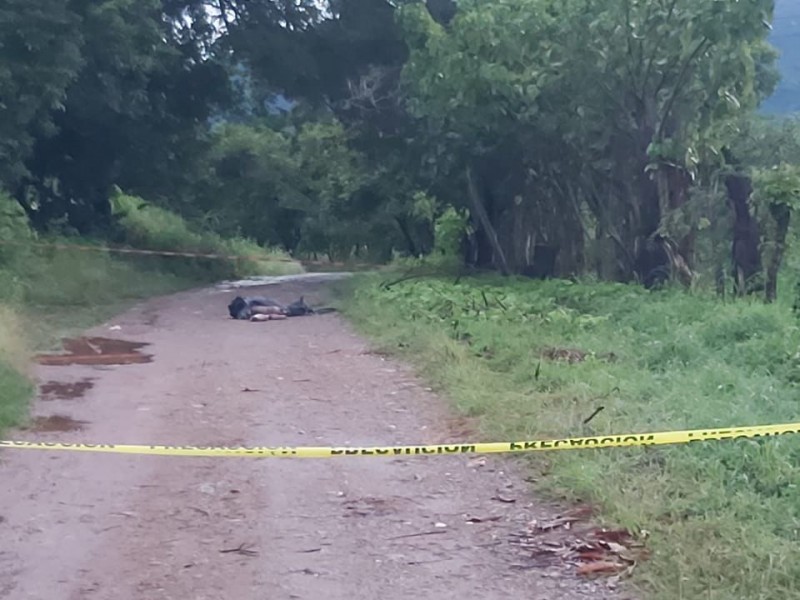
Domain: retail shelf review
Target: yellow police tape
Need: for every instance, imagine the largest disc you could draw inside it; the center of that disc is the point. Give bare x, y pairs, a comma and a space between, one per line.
582, 443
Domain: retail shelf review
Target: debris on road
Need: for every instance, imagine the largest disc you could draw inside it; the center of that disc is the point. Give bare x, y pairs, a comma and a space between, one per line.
505, 499
590, 551
243, 549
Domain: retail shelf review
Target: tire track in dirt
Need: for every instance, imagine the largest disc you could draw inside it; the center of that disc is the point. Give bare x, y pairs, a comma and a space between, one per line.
103, 527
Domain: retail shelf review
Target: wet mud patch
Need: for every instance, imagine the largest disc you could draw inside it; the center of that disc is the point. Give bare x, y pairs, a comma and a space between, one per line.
65, 390
97, 351
56, 423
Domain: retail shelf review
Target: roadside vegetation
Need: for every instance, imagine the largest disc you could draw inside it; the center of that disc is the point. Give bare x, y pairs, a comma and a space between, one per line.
607, 168
581, 357
533, 360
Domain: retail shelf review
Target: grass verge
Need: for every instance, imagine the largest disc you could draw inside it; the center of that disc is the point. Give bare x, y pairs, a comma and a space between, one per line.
723, 518
15, 385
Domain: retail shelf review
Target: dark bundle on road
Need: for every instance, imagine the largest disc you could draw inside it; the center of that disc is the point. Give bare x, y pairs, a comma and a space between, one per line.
259, 308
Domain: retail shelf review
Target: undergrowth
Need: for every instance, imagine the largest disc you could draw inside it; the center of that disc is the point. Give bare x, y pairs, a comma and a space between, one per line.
46, 293
723, 518
146, 226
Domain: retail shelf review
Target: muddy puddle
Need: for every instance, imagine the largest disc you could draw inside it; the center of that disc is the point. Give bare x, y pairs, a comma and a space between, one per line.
97, 351
56, 423
65, 390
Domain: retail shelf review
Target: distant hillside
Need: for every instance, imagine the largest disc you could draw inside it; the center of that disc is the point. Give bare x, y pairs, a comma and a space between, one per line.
786, 38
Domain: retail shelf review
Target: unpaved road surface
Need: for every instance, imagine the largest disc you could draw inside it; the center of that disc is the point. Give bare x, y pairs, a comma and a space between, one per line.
80, 526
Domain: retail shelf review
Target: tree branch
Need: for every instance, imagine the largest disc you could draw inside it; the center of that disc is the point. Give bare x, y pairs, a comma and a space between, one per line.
671, 101
657, 45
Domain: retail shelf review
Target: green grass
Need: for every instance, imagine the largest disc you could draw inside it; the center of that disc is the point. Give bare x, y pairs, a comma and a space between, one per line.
49, 293
15, 385
723, 518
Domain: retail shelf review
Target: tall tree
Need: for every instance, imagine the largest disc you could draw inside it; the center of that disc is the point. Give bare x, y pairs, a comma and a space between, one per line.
345, 63
601, 105
133, 116
40, 55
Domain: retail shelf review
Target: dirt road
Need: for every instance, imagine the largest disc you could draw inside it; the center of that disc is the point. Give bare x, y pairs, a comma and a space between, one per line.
102, 527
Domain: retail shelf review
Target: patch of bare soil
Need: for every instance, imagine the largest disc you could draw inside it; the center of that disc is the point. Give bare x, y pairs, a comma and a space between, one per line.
84, 526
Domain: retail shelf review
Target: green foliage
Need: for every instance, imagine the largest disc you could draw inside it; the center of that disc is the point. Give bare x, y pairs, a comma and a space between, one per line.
477, 77
50, 277
39, 57
150, 227
557, 120
778, 186
777, 194
585, 98
14, 255
721, 516
297, 188
474, 64
449, 231
129, 109
249, 170
765, 142
331, 175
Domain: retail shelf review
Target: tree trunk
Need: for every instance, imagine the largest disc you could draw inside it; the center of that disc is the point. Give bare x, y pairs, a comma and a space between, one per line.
480, 212
679, 183
745, 249
719, 281
658, 257
543, 265
411, 246
781, 213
